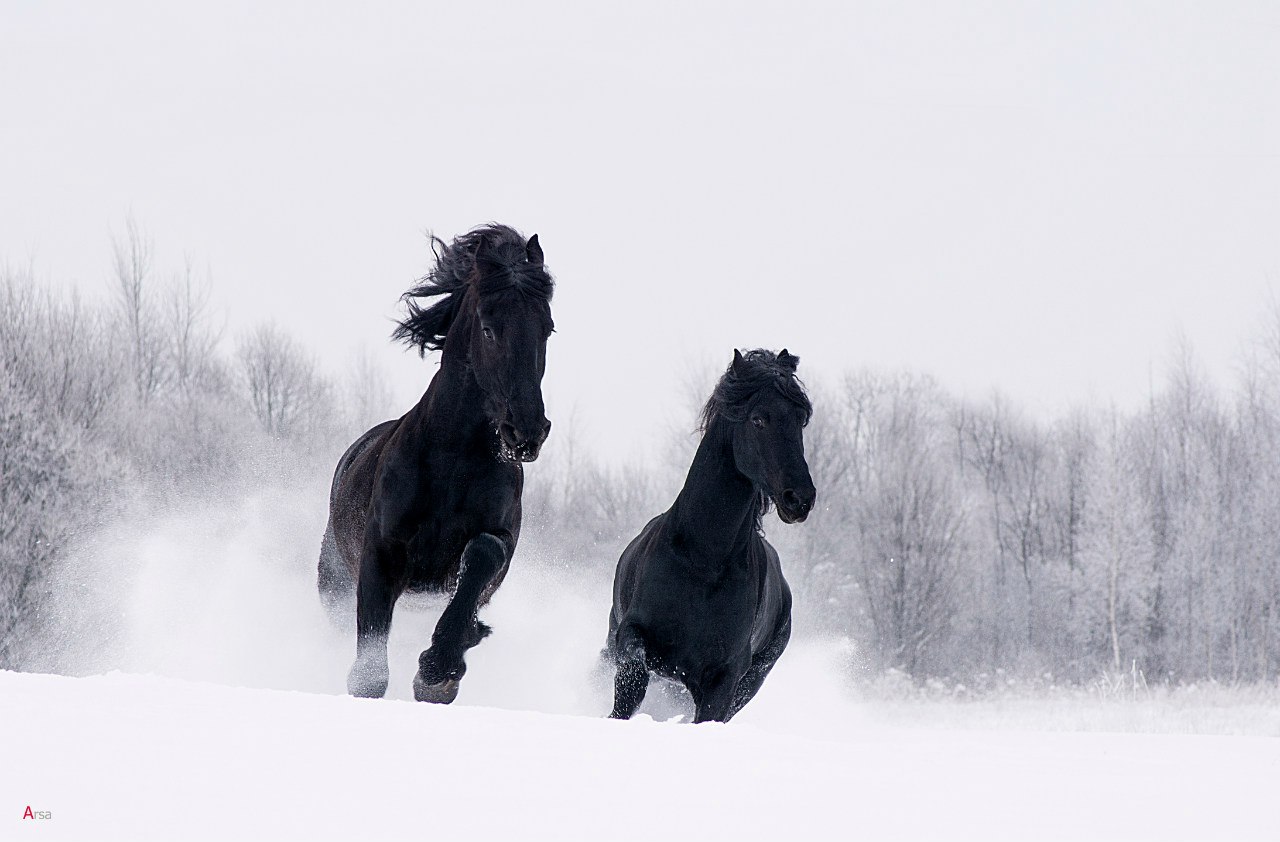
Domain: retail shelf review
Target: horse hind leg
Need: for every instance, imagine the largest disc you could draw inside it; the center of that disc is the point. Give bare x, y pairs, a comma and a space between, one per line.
632, 678
382, 580
441, 667
334, 581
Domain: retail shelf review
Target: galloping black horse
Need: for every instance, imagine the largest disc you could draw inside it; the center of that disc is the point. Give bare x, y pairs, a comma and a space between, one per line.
431, 502
699, 595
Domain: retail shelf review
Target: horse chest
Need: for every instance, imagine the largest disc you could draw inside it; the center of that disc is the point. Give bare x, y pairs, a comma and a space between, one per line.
439, 540
699, 621
451, 514
468, 494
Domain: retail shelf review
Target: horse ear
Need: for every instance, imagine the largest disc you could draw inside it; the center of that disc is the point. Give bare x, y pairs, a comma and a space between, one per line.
788, 360
533, 250
482, 250
737, 364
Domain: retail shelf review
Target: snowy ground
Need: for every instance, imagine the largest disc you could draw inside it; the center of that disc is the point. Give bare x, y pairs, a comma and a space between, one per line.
221, 718
131, 757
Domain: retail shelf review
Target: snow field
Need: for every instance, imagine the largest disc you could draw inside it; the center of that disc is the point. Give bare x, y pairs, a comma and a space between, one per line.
134, 757
221, 717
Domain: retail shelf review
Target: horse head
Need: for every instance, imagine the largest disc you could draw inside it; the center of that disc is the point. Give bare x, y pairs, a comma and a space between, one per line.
493, 316
507, 340
768, 436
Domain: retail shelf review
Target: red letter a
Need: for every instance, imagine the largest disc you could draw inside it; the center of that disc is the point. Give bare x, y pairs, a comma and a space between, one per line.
28, 814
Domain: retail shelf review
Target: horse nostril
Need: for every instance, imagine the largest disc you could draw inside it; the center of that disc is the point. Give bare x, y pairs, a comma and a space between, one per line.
510, 434
796, 502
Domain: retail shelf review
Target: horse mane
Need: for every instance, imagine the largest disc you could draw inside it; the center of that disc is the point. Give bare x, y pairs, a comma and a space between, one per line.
491, 257
741, 382
745, 377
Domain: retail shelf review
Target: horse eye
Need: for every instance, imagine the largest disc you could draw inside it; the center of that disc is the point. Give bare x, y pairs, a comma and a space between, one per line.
757, 421
488, 333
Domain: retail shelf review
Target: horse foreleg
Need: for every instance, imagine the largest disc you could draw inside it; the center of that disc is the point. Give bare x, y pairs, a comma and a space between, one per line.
713, 695
441, 667
632, 679
382, 567
334, 580
761, 663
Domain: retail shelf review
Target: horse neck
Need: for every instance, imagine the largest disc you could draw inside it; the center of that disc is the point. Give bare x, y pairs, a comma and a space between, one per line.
715, 512
454, 399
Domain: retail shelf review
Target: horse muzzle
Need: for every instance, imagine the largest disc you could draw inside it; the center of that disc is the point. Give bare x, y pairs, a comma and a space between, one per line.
794, 505
518, 444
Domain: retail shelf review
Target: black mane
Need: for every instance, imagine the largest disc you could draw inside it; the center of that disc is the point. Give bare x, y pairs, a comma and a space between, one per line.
759, 369
504, 263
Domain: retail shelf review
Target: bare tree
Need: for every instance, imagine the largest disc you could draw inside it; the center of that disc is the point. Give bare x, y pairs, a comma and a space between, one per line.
136, 305
284, 389
192, 336
908, 521
37, 484
60, 353
366, 394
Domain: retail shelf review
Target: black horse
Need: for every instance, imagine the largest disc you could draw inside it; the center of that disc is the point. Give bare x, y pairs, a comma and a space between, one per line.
431, 502
699, 595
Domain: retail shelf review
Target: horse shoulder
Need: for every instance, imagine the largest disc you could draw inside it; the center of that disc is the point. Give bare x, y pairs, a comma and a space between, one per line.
773, 606
772, 563
401, 487
351, 493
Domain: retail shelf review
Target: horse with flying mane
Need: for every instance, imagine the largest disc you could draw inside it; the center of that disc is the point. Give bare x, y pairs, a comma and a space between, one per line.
431, 501
699, 595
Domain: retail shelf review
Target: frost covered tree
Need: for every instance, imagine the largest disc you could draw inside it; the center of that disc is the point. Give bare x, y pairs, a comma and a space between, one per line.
285, 390
102, 402
951, 538
39, 485
139, 312
191, 335
366, 394
907, 521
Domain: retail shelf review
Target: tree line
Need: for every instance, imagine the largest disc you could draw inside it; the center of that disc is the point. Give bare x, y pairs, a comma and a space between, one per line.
951, 538
955, 538
143, 395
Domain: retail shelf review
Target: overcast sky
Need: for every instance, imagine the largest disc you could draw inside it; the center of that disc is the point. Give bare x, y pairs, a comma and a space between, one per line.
1026, 197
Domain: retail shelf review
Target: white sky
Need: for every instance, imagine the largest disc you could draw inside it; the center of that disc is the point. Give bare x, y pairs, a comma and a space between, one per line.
1029, 197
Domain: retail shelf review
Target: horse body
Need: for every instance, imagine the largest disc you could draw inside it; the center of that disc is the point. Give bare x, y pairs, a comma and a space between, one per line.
743, 617
413, 477
699, 595
431, 502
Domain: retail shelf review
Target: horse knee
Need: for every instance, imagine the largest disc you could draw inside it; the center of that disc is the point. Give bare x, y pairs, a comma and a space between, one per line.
483, 557
628, 646
458, 628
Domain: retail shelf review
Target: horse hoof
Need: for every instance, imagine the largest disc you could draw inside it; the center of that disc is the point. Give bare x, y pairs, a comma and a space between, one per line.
441, 694
367, 682
366, 689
